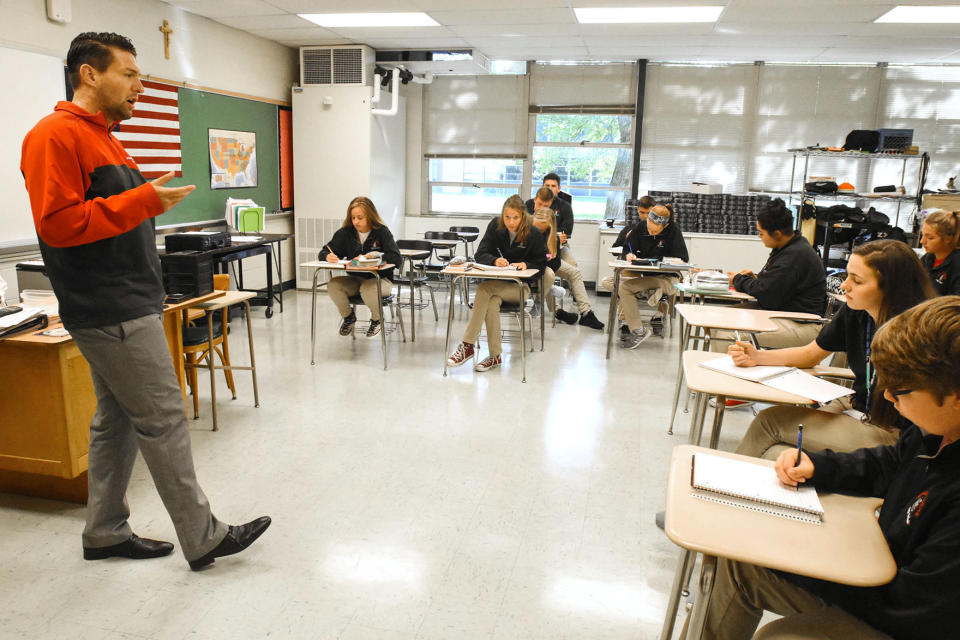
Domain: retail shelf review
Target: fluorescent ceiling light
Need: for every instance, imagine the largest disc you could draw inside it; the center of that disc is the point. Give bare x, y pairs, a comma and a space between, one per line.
334, 20
625, 15
922, 15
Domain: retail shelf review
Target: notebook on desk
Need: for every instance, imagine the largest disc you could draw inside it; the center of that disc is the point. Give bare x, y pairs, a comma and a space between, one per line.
789, 379
746, 485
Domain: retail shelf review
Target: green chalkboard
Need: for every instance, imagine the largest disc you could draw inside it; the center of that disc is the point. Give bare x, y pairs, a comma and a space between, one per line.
199, 111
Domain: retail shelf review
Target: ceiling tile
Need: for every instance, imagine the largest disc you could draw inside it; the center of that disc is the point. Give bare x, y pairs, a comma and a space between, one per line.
785, 13
787, 29
504, 30
688, 29
506, 16
465, 5
344, 6
281, 21
223, 8
387, 42
311, 42
532, 42
364, 33
295, 34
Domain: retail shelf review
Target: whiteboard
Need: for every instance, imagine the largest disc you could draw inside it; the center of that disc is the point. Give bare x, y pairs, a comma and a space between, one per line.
36, 86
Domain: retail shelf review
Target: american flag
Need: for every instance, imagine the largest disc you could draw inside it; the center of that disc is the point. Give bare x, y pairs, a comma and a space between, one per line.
152, 135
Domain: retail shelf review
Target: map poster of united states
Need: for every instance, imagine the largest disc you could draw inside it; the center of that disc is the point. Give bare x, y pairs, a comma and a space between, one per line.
233, 158
152, 135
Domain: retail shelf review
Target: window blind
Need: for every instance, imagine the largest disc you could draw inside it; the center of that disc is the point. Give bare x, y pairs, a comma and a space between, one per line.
580, 85
476, 116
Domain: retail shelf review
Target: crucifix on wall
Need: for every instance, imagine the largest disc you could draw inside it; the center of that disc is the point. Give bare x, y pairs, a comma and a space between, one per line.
166, 30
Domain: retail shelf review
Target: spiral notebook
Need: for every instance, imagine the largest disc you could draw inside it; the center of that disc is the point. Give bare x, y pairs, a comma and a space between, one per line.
746, 485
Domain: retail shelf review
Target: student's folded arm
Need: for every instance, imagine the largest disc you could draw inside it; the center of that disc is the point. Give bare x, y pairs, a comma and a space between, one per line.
772, 287
536, 257
63, 217
863, 472
925, 591
487, 251
391, 252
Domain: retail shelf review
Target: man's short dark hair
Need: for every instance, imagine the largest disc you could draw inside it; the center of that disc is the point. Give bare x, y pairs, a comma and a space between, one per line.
647, 202
544, 195
94, 49
551, 176
775, 216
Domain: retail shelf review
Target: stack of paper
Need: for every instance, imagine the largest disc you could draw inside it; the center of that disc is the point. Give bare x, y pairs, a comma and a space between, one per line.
789, 379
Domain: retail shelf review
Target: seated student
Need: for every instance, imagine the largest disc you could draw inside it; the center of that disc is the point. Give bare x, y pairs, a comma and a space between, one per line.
562, 205
941, 235
793, 279
918, 478
544, 220
884, 279
661, 240
362, 233
513, 241
643, 209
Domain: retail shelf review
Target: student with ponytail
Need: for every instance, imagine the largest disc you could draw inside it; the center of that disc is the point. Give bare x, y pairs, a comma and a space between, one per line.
941, 235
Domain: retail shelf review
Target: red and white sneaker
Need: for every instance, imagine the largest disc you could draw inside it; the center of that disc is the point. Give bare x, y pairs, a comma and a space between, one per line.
463, 353
488, 363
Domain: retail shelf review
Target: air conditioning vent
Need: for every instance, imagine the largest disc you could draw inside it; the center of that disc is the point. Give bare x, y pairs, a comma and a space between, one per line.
347, 66
315, 66
350, 65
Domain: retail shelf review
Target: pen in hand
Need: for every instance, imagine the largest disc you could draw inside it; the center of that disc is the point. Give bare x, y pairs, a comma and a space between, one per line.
799, 447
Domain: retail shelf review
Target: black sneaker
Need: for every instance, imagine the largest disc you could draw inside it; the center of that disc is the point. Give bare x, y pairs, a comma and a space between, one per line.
589, 320
374, 329
346, 326
566, 316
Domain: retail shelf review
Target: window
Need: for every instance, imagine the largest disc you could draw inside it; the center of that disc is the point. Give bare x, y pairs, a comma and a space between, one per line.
592, 154
472, 185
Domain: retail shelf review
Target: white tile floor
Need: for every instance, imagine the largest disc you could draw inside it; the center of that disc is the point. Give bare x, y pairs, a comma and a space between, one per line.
405, 505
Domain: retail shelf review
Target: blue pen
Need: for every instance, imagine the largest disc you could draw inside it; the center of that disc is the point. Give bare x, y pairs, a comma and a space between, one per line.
799, 443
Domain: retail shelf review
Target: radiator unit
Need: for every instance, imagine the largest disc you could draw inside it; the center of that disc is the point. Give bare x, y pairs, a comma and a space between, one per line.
346, 65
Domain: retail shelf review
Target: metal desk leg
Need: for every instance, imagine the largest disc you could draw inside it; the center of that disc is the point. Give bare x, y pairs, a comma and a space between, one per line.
446, 344
684, 336
673, 604
210, 364
253, 362
413, 320
383, 327
543, 311
313, 318
614, 297
698, 617
523, 346
717, 421
700, 401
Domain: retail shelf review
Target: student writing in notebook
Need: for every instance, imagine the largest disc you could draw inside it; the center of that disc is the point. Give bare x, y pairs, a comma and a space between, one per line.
941, 235
918, 478
514, 241
662, 239
362, 234
884, 278
544, 219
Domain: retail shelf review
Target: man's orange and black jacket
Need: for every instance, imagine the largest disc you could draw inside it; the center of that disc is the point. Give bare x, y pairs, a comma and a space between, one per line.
93, 212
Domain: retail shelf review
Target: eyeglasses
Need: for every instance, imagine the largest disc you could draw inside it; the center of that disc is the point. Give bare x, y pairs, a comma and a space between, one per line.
899, 392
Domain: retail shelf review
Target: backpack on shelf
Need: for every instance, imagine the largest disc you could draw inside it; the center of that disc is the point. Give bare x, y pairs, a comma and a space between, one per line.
862, 140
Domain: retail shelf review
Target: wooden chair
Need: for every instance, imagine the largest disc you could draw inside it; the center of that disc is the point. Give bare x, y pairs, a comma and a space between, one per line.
205, 338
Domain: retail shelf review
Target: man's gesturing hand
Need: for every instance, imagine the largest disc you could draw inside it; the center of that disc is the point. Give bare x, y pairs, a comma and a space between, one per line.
170, 196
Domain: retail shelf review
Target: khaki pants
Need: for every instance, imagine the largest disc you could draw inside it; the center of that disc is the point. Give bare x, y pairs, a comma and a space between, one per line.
486, 309
775, 429
789, 333
342, 287
571, 274
631, 286
566, 255
743, 591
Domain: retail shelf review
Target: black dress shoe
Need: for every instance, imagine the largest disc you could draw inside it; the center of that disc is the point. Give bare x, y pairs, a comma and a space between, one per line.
566, 316
590, 320
135, 547
237, 539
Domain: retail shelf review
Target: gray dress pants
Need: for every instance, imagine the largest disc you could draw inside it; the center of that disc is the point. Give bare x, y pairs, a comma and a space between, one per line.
140, 407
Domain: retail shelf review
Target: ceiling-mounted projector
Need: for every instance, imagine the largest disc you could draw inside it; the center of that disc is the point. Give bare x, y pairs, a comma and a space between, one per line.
468, 62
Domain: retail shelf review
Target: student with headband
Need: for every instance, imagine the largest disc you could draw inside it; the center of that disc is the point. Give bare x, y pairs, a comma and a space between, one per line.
643, 210
884, 279
661, 240
941, 235
544, 220
918, 478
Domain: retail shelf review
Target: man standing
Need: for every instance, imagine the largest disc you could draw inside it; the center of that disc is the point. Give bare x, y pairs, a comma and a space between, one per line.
561, 204
94, 214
